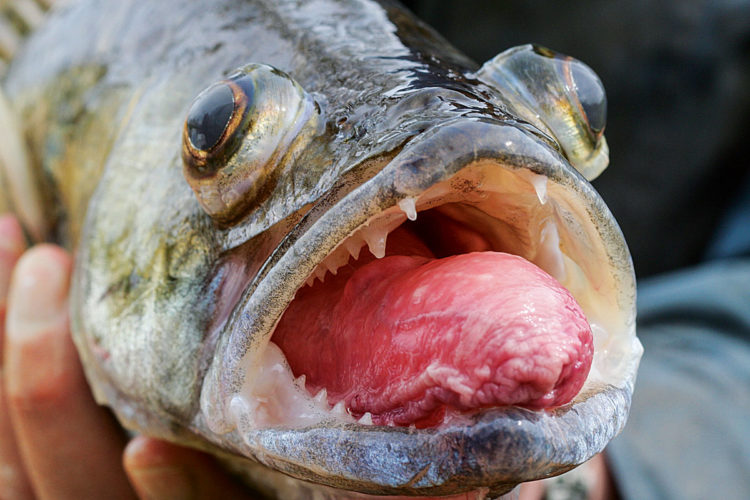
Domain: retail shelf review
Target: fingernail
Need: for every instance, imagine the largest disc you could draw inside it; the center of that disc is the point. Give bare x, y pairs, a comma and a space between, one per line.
161, 483
39, 289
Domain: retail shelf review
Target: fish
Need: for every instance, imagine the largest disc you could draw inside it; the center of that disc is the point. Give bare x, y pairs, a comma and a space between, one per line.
214, 165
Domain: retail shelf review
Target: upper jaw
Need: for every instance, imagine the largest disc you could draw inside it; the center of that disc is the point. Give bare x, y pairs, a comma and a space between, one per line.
531, 444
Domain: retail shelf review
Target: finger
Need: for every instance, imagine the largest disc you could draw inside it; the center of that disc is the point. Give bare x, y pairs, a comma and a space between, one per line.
161, 470
71, 447
13, 480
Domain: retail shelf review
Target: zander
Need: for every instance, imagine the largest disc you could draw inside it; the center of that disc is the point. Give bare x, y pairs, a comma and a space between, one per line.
315, 240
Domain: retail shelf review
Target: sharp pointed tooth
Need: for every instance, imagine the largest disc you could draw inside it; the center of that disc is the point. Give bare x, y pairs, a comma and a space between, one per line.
375, 239
409, 207
353, 246
539, 182
332, 268
339, 408
365, 419
332, 263
321, 397
341, 257
320, 273
310, 281
300, 381
541, 190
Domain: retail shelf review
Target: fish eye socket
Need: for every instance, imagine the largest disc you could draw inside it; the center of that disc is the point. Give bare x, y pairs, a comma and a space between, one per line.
559, 95
591, 95
241, 134
215, 124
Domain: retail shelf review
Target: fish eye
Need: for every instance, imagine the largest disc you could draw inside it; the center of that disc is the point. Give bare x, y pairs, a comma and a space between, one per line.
591, 95
215, 123
209, 117
559, 95
237, 137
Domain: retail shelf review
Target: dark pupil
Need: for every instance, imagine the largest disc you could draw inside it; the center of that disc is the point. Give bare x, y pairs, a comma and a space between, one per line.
591, 95
209, 117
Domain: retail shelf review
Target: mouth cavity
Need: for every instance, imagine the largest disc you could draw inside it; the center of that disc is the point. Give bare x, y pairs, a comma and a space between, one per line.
464, 298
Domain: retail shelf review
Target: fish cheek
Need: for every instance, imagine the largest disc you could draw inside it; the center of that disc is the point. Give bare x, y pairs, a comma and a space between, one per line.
240, 134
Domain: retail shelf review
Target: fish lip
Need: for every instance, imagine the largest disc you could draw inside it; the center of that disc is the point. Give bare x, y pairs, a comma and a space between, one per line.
452, 145
499, 449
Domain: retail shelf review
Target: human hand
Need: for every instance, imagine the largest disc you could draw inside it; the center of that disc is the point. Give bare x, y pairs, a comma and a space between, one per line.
55, 441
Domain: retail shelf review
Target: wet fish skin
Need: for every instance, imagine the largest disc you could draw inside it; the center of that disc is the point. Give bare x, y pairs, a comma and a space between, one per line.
104, 116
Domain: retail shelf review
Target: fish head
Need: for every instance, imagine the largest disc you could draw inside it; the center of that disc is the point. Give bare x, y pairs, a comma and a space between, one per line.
277, 189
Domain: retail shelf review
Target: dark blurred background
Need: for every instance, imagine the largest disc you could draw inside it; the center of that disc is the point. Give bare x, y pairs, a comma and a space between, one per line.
677, 75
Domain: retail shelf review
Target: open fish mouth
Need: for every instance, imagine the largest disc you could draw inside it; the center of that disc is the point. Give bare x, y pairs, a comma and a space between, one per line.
370, 280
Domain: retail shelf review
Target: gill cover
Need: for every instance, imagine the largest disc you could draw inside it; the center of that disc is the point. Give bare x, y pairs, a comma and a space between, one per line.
239, 135
560, 95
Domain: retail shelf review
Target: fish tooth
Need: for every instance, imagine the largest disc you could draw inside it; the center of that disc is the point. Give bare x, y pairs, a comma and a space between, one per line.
320, 273
375, 239
541, 191
540, 186
310, 281
409, 207
365, 419
342, 257
353, 246
300, 381
339, 408
336, 260
321, 396
331, 266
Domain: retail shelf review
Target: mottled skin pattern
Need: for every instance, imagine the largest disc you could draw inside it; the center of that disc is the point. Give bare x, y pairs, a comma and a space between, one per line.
103, 114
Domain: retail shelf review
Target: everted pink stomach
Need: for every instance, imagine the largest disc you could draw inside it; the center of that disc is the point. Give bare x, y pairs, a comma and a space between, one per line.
409, 336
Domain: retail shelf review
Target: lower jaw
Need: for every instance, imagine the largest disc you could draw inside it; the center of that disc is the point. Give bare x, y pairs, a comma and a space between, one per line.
522, 215
276, 485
